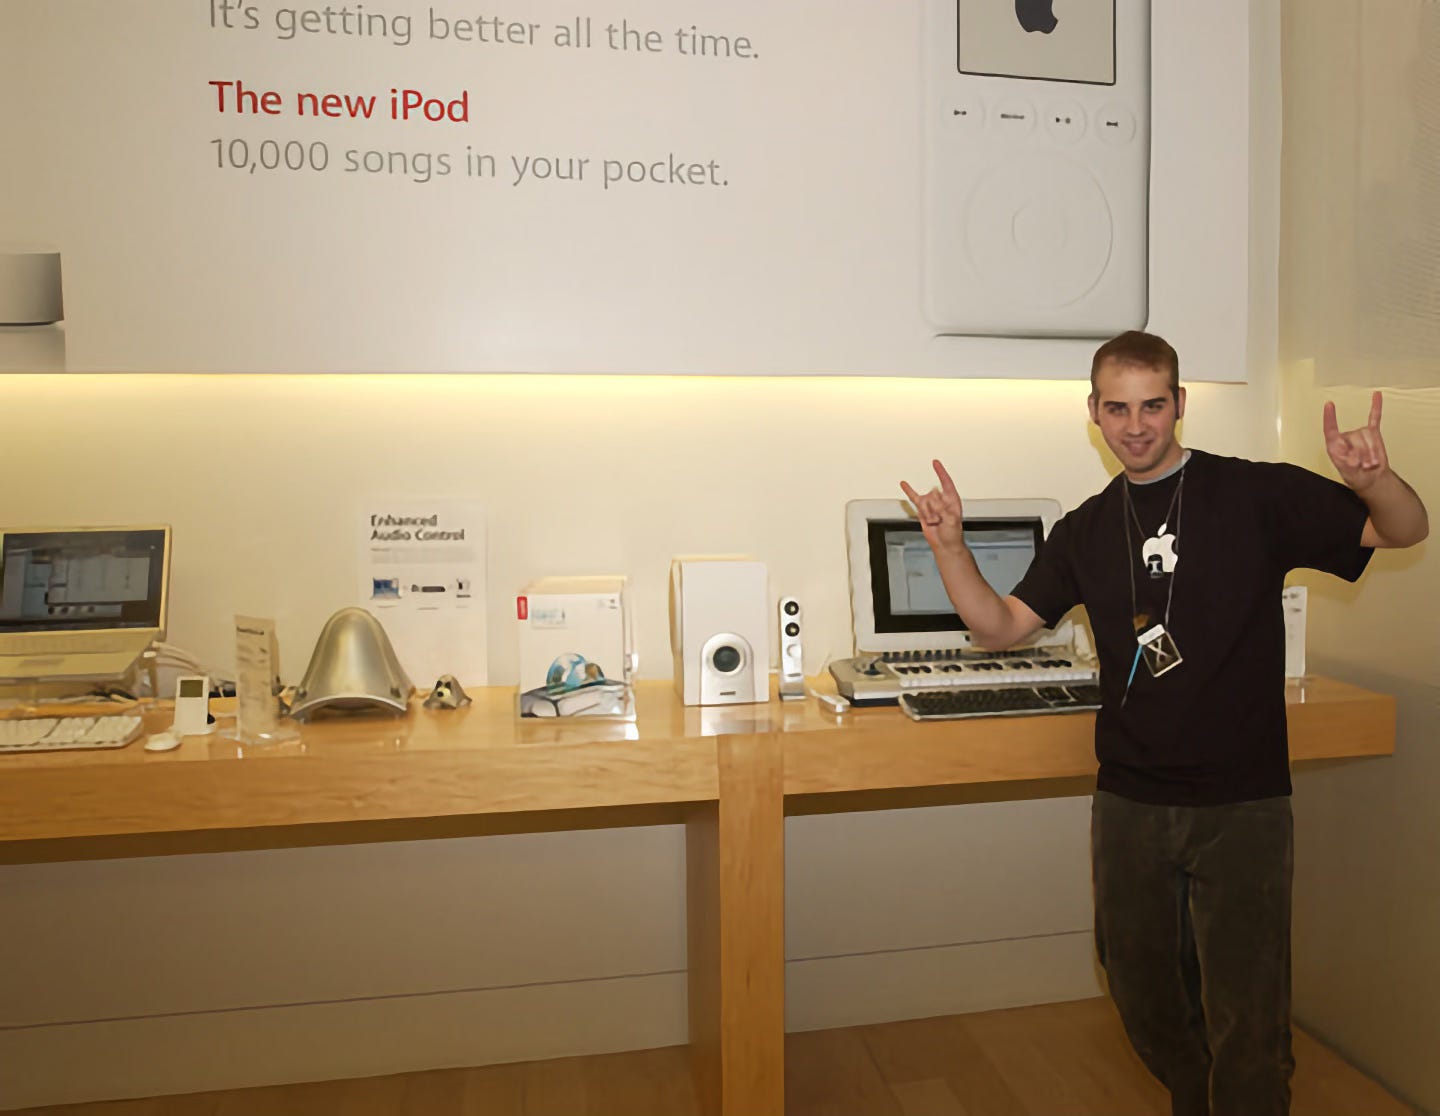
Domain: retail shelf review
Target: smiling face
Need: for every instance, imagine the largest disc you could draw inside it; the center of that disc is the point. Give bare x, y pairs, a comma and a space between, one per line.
1133, 406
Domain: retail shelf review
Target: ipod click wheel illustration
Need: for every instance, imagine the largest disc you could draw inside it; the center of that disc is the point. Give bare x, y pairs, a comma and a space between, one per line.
1037, 167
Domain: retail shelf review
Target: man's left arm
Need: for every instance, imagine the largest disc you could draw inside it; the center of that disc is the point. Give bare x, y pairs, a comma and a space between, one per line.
1397, 515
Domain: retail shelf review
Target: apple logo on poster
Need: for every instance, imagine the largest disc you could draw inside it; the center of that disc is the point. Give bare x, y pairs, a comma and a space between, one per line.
1158, 553
1036, 15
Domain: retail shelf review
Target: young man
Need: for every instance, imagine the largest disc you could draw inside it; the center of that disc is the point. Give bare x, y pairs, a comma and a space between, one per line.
1180, 563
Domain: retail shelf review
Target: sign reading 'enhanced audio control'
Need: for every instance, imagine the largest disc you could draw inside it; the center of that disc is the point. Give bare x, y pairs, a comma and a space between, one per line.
554, 186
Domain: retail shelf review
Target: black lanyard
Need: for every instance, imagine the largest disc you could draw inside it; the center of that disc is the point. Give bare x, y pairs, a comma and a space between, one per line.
1177, 507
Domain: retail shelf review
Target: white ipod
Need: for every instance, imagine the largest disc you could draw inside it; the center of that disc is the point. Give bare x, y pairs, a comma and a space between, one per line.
192, 705
1037, 167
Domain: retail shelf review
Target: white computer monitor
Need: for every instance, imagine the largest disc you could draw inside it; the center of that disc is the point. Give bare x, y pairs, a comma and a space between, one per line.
896, 596
80, 602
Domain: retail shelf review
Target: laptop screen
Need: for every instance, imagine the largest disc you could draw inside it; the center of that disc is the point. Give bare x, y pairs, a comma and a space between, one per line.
81, 580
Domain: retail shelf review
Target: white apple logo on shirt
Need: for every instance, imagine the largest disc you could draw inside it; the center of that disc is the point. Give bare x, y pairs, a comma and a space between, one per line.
1158, 553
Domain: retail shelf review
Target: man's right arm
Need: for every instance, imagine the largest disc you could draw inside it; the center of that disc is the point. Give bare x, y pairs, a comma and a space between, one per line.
995, 622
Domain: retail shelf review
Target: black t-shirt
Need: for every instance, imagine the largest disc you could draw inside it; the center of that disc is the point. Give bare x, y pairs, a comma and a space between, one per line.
1212, 730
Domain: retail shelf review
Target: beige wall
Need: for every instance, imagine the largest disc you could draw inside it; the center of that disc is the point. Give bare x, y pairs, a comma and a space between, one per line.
303, 964
1367, 890
1358, 312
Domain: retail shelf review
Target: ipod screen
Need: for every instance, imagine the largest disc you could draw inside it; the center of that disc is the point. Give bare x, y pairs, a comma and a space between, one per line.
1049, 40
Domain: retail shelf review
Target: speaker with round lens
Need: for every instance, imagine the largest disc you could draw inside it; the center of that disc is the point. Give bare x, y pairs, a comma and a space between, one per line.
727, 670
727, 659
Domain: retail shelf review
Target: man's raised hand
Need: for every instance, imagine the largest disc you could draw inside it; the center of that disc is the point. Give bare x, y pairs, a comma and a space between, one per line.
940, 513
1359, 455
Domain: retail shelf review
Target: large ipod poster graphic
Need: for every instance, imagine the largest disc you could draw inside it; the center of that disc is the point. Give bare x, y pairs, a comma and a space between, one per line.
1037, 167
753, 187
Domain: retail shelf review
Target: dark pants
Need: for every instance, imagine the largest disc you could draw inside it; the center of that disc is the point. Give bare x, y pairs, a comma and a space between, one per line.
1192, 925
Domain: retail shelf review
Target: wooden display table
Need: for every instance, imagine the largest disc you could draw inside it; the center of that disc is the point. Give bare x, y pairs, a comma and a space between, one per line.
729, 774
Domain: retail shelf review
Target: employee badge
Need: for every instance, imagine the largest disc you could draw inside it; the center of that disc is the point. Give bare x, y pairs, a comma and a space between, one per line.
1157, 648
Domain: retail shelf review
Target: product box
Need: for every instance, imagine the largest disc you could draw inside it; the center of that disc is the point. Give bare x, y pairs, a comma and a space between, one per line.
576, 650
1293, 598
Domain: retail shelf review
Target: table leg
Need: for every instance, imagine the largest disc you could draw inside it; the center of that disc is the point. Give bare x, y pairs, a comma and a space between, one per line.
735, 864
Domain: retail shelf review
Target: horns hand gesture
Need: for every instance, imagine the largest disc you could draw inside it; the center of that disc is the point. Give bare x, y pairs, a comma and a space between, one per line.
1359, 455
940, 514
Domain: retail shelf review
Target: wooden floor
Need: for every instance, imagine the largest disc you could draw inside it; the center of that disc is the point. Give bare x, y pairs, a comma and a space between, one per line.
1054, 1060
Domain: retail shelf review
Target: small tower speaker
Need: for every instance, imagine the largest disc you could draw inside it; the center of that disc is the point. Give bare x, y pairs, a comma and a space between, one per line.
792, 659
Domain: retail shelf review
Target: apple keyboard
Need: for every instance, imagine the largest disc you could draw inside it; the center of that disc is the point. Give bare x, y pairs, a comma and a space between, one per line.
1008, 701
62, 734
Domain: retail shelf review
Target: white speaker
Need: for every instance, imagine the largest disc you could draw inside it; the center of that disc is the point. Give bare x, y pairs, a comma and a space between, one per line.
727, 670
720, 630
792, 659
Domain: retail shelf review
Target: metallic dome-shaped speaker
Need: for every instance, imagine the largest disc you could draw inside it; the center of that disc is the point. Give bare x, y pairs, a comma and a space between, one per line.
353, 668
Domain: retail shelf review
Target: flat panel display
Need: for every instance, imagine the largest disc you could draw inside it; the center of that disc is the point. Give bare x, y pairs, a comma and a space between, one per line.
73, 581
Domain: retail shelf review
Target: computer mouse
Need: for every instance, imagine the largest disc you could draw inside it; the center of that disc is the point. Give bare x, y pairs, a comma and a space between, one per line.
162, 742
